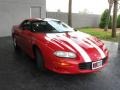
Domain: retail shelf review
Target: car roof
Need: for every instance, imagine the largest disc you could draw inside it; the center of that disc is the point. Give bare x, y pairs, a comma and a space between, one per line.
42, 19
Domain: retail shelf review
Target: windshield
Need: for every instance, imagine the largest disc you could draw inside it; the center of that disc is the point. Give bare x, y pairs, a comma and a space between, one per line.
60, 26
51, 26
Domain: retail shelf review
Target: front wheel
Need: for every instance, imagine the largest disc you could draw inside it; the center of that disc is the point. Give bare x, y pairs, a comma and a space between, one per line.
39, 60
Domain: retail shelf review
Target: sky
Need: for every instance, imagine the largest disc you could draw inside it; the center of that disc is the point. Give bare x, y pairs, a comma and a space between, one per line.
89, 6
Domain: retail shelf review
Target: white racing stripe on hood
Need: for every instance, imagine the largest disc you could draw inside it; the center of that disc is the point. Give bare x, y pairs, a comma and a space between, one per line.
98, 48
82, 52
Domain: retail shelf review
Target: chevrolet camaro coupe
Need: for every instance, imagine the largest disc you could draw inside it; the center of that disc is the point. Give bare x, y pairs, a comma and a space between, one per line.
57, 47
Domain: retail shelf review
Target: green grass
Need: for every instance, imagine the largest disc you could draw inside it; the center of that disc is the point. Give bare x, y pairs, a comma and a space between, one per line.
100, 33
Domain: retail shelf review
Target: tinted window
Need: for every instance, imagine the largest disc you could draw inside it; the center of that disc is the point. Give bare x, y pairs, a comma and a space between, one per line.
41, 26
26, 25
51, 26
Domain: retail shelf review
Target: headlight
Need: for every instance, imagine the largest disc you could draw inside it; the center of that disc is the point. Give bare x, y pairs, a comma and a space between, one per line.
65, 54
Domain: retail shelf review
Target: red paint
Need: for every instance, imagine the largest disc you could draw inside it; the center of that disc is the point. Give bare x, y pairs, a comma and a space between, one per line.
48, 43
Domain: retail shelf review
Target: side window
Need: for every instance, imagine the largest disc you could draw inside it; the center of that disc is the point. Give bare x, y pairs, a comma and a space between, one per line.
23, 23
26, 25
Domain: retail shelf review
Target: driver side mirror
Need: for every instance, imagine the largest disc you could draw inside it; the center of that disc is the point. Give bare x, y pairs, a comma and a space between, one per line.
25, 28
21, 27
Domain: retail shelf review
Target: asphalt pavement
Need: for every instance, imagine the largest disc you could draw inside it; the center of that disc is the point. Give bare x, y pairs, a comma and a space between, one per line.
18, 72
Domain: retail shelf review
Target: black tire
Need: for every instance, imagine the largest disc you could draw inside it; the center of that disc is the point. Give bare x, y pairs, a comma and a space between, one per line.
16, 47
39, 60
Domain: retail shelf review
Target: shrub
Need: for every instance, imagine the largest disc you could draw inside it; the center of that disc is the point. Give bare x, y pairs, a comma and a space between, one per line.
103, 20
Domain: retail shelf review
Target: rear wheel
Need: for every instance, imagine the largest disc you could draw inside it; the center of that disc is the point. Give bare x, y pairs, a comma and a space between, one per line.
39, 60
16, 47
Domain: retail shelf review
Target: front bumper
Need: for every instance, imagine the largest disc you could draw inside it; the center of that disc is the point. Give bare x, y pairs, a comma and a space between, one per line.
74, 67
64, 67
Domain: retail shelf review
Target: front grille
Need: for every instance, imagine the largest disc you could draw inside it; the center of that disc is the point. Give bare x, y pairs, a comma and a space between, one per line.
85, 65
88, 66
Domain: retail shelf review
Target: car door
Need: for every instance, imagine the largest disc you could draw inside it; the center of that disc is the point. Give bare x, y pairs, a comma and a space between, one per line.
26, 37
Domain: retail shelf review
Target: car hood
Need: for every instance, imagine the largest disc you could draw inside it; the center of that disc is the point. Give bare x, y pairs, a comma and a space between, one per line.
85, 46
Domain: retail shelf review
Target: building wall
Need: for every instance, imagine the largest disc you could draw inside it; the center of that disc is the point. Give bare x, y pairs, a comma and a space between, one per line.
78, 20
12, 12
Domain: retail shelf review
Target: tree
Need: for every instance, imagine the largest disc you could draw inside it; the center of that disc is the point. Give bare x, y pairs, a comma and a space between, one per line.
114, 18
110, 22
108, 15
70, 13
104, 18
118, 21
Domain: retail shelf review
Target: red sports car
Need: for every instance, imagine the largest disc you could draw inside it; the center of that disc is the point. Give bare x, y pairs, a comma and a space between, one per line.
58, 47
